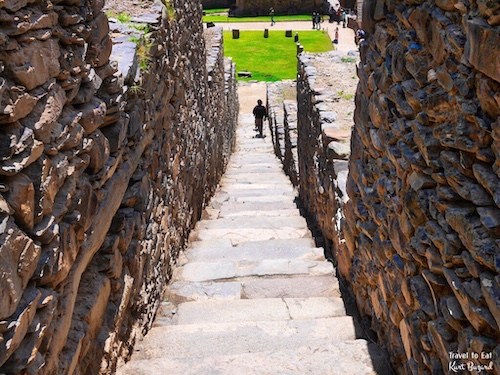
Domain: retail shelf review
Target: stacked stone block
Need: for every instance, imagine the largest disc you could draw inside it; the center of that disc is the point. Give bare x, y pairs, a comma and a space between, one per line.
423, 218
105, 167
282, 111
323, 146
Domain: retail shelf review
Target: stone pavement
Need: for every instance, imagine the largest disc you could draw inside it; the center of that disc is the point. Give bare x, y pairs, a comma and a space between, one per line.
252, 294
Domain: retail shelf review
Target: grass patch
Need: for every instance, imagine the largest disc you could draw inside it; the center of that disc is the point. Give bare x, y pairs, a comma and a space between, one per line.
122, 17
143, 27
144, 45
274, 58
225, 18
348, 59
345, 96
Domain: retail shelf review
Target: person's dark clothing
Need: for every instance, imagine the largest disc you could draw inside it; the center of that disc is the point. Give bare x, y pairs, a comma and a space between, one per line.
259, 112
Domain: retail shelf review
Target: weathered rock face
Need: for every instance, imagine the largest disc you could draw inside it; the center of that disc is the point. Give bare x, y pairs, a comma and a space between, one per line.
422, 251
104, 169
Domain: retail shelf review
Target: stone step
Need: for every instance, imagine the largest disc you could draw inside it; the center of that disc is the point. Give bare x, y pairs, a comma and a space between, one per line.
254, 175
264, 222
257, 145
291, 287
350, 357
237, 235
212, 254
259, 309
254, 159
251, 288
277, 244
237, 193
237, 186
213, 339
272, 203
223, 270
286, 212
257, 169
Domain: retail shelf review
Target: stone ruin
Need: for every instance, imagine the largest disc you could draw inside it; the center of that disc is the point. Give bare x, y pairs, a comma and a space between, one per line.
112, 138
261, 7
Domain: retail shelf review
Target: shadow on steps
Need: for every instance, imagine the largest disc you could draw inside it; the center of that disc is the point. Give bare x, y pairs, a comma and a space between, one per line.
361, 324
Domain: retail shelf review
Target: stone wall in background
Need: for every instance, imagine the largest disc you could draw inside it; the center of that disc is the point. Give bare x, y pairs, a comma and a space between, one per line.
210, 4
111, 141
417, 238
261, 7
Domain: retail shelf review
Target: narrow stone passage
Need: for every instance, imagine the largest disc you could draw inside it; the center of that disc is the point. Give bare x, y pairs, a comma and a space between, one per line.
252, 294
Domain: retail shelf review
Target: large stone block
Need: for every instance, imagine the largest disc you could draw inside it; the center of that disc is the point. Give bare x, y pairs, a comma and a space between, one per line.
482, 48
473, 235
20, 324
45, 114
21, 197
19, 256
99, 152
34, 64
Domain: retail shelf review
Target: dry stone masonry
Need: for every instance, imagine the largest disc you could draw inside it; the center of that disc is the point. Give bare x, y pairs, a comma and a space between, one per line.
325, 109
417, 236
282, 112
112, 139
261, 7
423, 219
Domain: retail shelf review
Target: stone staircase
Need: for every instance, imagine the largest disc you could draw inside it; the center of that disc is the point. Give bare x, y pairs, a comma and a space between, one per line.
252, 294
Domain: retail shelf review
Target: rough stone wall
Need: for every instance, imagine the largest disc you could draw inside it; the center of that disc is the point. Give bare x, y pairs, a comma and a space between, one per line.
424, 211
323, 143
417, 239
104, 170
282, 112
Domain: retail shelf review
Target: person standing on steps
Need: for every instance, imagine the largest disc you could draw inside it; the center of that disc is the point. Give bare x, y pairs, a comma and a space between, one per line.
259, 112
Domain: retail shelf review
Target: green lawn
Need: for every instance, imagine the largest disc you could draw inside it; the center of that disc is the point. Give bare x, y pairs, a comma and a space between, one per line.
225, 18
274, 58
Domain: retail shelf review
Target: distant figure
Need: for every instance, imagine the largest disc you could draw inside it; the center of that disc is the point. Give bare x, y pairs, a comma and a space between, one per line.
344, 18
360, 35
336, 40
259, 112
318, 21
271, 13
314, 20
